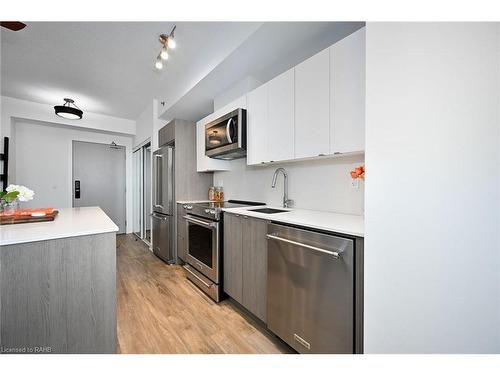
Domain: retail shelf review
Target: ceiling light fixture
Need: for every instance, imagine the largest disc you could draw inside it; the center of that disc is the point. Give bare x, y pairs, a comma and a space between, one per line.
159, 63
164, 53
167, 41
69, 110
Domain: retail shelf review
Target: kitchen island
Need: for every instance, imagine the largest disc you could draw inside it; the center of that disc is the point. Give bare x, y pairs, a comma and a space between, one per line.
58, 284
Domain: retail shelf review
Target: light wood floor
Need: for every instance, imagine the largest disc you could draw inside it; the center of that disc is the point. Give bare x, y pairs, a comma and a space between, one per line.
160, 311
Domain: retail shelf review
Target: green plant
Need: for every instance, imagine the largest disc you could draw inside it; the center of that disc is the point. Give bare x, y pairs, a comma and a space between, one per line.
9, 197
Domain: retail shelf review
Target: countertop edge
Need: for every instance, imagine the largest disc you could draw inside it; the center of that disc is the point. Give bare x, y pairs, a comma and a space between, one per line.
302, 223
62, 236
71, 222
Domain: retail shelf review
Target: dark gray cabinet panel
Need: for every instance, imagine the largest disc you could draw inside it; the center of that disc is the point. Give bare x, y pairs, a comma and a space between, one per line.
245, 262
181, 233
255, 266
233, 280
59, 294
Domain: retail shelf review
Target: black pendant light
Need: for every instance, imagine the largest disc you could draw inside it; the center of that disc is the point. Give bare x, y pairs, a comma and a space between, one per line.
69, 110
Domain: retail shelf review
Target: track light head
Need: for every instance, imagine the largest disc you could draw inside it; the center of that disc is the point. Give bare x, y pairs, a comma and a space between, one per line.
159, 63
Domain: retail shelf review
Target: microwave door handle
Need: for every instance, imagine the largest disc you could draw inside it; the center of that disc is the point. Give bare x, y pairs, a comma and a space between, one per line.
228, 132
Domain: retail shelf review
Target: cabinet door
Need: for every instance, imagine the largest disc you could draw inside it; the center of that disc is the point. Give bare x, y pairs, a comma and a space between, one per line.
181, 233
255, 267
347, 90
233, 256
257, 125
280, 129
312, 101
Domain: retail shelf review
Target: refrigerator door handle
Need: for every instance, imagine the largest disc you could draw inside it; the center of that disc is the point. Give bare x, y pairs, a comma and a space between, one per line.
170, 182
158, 174
164, 218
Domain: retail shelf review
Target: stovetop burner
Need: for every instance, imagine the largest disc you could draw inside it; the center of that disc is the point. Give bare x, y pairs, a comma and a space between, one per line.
229, 204
212, 210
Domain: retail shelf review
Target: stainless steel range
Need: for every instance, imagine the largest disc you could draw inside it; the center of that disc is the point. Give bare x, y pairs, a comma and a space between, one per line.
204, 244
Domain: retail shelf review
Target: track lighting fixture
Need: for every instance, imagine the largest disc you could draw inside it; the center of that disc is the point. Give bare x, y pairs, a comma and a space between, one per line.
164, 53
168, 42
159, 63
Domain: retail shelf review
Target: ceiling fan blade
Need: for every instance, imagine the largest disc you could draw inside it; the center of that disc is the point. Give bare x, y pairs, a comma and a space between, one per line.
13, 25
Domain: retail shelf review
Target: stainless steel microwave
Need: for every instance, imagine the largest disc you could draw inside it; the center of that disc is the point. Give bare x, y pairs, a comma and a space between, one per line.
226, 137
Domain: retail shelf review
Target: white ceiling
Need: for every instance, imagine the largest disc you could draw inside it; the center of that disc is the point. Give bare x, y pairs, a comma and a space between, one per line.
108, 67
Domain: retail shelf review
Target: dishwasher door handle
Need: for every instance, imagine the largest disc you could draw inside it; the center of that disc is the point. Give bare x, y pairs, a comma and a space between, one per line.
334, 254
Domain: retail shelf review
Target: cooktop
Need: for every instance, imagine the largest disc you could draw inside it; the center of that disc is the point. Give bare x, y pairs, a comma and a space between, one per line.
229, 204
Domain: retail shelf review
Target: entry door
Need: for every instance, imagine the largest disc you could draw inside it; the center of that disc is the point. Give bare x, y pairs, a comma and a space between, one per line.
99, 179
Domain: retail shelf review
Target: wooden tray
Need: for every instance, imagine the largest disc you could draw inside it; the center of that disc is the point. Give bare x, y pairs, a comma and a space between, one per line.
7, 220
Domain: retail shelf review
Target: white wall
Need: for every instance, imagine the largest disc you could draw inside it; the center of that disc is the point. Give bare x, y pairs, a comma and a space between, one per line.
237, 90
17, 108
13, 109
44, 161
432, 194
323, 185
157, 125
144, 125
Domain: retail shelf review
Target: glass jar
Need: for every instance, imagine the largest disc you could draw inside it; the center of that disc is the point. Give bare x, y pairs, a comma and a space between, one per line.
9, 209
219, 193
211, 193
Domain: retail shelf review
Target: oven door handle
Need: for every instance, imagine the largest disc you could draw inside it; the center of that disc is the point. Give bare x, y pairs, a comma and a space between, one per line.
200, 222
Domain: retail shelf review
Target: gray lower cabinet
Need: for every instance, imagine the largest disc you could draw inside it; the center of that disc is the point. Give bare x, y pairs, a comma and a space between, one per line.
181, 233
255, 266
233, 261
245, 262
59, 296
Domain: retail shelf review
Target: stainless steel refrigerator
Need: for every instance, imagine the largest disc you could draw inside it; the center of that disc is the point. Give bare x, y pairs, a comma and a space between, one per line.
163, 203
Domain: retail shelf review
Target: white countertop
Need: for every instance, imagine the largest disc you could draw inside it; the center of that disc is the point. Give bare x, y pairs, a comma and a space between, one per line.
70, 222
329, 221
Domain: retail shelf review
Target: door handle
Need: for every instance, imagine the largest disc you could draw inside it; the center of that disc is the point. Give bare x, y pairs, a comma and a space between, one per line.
158, 181
200, 222
77, 189
228, 130
197, 277
334, 254
164, 218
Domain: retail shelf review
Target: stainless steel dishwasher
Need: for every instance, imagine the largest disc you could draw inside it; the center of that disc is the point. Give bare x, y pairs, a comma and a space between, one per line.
310, 289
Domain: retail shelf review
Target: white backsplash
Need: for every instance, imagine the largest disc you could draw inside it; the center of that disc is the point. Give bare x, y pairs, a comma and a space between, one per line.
323, 184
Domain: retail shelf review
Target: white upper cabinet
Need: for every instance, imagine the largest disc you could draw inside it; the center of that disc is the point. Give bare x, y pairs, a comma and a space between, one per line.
315, 109
257, 125
347, 94
203, 162
312, 106
270, 121
281, 117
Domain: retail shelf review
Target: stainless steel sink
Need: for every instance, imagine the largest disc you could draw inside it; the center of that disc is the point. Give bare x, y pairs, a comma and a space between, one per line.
268, 210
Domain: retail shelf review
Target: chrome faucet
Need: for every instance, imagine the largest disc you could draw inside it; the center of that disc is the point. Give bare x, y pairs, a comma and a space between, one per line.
286, 202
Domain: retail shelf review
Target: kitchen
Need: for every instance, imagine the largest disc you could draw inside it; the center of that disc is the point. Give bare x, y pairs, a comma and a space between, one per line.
239, 208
